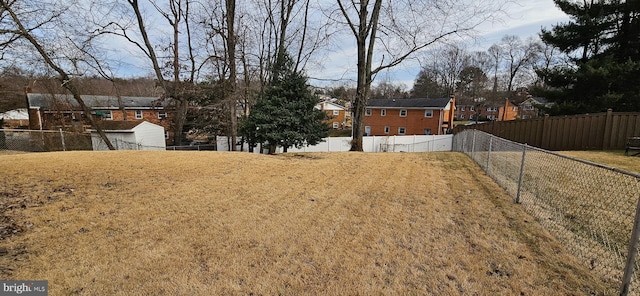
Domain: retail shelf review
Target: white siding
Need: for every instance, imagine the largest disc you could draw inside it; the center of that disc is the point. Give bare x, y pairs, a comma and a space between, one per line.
144, 136
150, 136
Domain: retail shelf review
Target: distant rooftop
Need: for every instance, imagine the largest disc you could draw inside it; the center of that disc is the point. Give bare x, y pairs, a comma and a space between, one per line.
95, 102
409, 103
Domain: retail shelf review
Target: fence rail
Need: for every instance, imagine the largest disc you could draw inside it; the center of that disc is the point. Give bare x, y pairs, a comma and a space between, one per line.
592, 208
43, 140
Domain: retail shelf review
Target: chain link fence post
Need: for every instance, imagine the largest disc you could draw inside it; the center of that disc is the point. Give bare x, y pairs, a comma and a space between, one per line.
631, 254
489, 156
473, 145
64, 147
524, 153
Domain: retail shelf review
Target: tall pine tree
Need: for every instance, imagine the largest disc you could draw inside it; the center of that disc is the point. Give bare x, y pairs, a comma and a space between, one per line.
284, 114
602, 41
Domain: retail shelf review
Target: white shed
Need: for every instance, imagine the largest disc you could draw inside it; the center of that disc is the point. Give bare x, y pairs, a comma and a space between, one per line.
130, 135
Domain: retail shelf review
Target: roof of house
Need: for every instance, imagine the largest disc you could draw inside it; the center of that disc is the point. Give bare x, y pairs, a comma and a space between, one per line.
537, 100
409, 103
15, 114
94, 102
122, 125
110, 125
327, 105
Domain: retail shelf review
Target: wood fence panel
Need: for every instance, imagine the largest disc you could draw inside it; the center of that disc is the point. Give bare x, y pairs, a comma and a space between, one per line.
573, 129
590, 132
578, 132
599, 135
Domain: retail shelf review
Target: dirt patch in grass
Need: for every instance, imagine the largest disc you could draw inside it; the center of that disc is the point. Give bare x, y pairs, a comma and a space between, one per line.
210, 223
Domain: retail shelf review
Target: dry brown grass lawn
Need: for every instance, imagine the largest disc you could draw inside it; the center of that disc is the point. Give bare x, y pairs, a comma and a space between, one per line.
207, 223
612, 158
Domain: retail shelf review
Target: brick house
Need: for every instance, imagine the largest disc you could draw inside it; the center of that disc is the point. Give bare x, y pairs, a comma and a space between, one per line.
465, 111
55, 111
531, 106
389, 117
486, 110
340, 117
18, 118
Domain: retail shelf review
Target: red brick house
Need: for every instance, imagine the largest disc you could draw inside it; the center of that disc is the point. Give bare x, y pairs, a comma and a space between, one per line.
465, 111
390, 117
55, 111
340, 117
486, 110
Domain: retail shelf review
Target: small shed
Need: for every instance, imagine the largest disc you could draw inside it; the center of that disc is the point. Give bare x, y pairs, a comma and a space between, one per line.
130, 135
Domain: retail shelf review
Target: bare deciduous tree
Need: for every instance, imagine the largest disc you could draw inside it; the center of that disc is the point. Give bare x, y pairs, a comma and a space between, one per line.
55, 58
401, 28
169, 69
519, 55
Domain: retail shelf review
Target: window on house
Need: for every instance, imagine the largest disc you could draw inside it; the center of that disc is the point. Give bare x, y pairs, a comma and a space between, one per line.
383, 112
403, 112
514, 108
108, 115
427, 131
491, 117
472, 108
162, 114
386, 130
428, 113
367, 130
138, 114
527, 107
367, 112
461, 116
166, 135
336, 112
492, 109
402, 131
461, 108
336, 125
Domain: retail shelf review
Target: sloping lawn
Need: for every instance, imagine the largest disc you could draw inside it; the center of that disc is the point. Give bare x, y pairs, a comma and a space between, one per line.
211, 223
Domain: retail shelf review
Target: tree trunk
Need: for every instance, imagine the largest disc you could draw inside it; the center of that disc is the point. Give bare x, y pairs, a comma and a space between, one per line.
64, 77
366, 30
230, 6
179, 120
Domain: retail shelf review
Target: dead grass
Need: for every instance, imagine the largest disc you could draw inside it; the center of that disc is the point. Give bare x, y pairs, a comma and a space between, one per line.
612, 158
198, 223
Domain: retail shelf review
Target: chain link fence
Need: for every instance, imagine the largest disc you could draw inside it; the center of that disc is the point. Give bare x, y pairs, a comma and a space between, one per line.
43, 140
589, 207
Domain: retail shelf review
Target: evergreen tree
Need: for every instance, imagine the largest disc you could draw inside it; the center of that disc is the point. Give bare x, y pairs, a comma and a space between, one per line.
284, 114
428, 86
603, 41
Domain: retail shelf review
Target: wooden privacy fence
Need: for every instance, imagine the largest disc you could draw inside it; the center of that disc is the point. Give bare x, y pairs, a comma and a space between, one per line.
601, 131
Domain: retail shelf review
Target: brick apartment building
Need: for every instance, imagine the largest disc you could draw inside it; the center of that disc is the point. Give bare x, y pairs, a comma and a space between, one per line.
62, 111
389, 117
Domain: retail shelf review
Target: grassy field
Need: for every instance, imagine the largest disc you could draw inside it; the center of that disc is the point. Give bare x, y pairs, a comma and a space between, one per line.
612, 158
208, 223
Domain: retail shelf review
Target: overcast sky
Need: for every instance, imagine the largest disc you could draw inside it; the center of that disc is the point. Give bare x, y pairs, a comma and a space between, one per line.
524, 18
